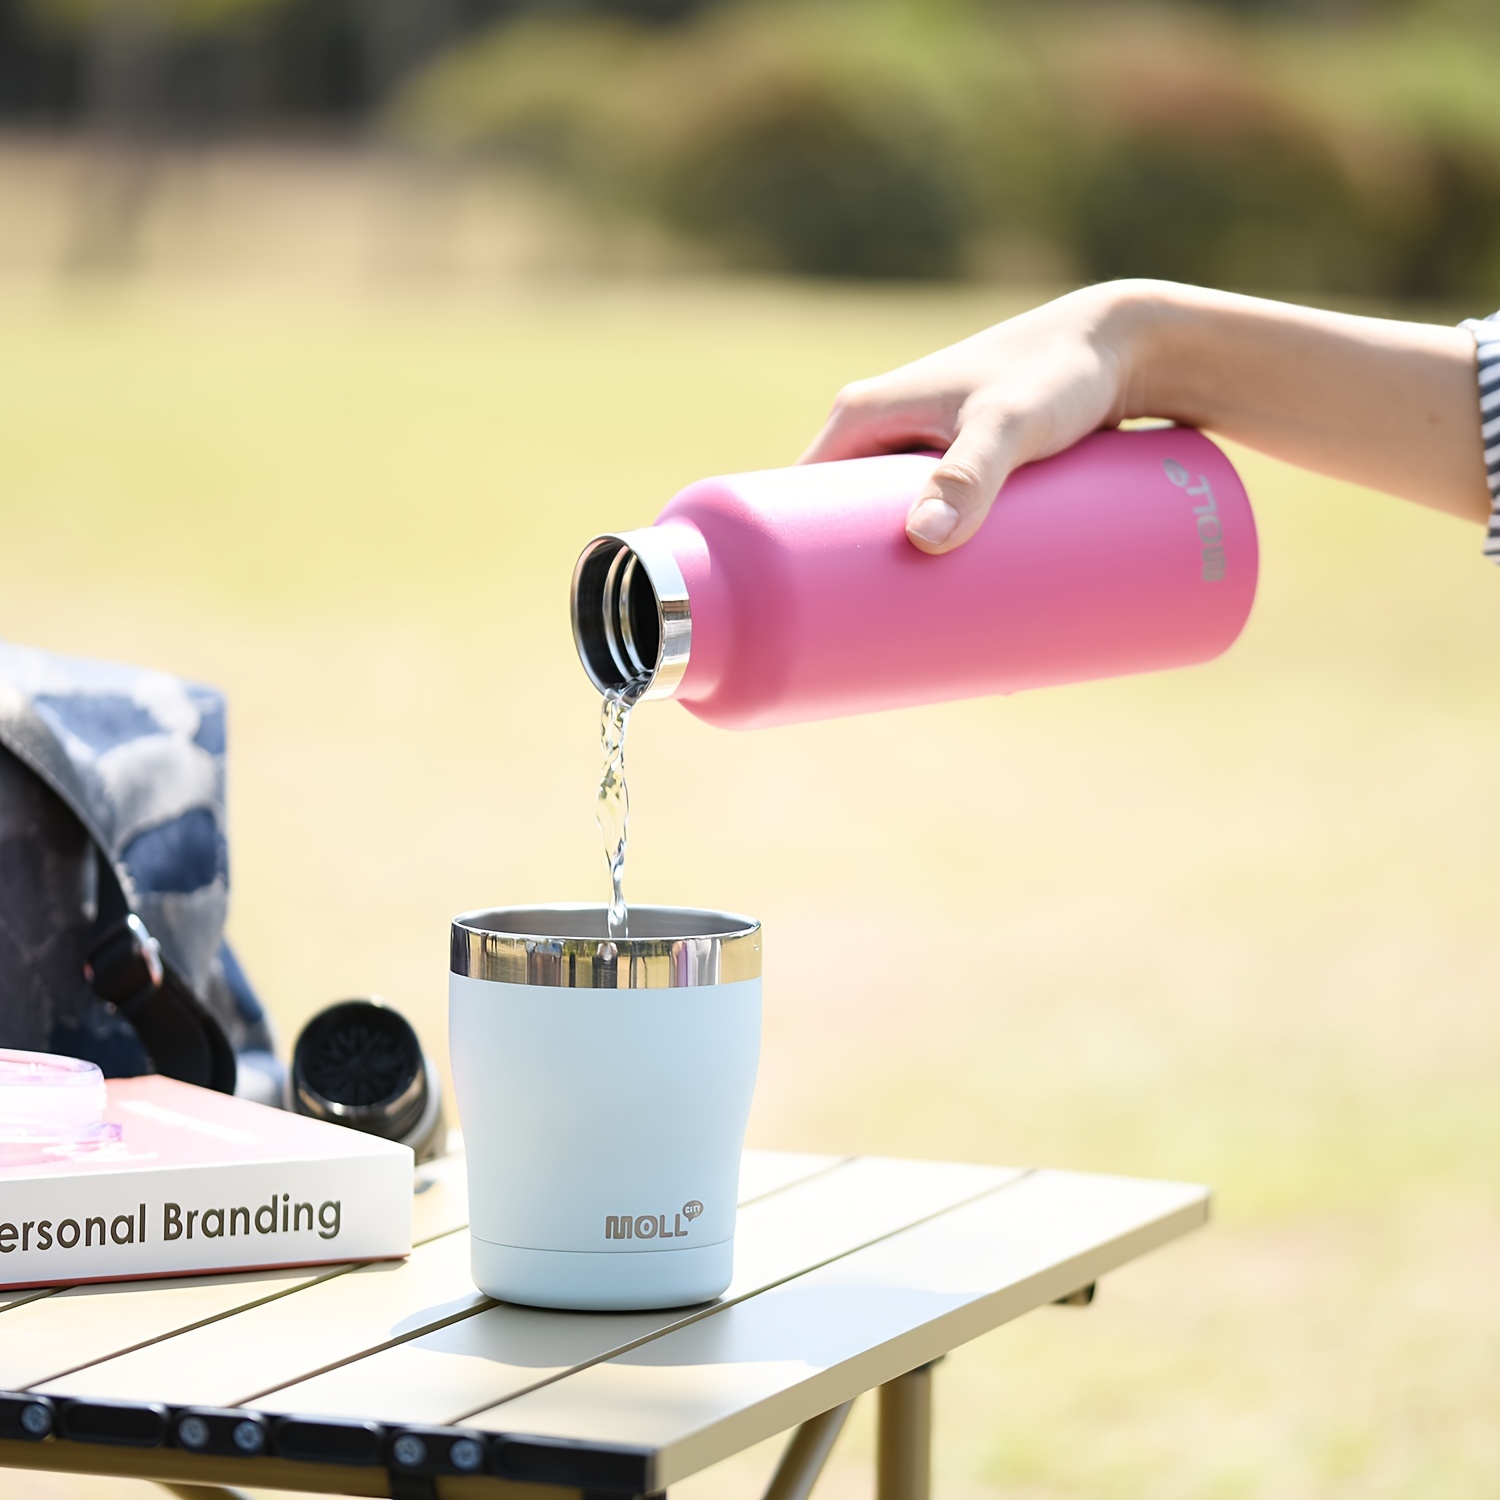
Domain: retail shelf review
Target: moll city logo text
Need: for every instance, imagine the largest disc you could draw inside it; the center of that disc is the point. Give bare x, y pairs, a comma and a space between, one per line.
652, 1226
1210, 528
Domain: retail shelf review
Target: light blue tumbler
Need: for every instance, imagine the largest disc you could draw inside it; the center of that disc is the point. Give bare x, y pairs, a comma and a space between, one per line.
603, 1086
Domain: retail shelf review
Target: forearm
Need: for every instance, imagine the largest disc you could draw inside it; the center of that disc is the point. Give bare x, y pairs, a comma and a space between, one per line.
1382, 403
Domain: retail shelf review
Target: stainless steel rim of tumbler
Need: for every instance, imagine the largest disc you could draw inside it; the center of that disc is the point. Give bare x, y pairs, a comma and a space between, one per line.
631, 615
569, 947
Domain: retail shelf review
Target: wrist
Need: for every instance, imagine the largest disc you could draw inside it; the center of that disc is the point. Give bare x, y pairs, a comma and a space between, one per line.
1142, 326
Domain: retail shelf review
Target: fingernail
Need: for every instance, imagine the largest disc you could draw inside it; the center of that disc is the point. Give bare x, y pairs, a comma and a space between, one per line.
932, 520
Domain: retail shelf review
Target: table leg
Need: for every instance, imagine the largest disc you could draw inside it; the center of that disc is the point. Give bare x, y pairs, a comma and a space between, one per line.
806, 1454
1083, 1297
202, 1491
903, 1460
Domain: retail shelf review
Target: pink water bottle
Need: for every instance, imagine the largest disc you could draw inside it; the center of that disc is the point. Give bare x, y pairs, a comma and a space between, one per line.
793, 594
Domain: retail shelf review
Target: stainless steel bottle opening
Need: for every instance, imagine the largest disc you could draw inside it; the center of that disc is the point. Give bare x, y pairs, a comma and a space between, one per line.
631, 618
569, 947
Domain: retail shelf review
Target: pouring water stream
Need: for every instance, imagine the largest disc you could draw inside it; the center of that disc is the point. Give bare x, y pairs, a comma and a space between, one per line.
613, 810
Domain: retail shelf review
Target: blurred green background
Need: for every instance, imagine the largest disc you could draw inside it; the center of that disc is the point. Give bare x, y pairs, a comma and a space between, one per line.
1346, 146
327, 335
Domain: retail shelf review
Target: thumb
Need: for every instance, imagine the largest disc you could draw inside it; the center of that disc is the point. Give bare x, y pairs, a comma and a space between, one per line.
958, 496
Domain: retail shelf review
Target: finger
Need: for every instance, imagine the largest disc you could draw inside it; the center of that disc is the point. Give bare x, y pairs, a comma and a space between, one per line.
870, 418
958, 496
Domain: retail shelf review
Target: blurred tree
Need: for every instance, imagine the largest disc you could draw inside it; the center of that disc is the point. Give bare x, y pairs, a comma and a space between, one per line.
1344, 148
245, 63
1264, 208
38, 69
774, 135
155, 71
794, 176
124, 74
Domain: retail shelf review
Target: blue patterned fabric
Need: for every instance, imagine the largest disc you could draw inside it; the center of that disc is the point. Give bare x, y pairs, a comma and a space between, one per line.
130, 762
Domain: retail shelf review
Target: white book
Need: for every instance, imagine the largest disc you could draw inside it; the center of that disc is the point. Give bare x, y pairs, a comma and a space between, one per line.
200, 1182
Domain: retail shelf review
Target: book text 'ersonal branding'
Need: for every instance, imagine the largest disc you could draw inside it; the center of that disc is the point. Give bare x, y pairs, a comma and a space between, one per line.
278, 1216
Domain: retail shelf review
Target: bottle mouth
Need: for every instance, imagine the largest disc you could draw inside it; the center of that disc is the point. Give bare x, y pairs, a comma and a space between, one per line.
631, 619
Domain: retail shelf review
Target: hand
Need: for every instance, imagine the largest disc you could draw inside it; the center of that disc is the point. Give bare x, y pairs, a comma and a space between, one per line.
1019, 391
1390, 405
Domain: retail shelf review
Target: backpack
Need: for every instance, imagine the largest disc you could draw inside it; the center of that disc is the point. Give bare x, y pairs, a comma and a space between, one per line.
114, 876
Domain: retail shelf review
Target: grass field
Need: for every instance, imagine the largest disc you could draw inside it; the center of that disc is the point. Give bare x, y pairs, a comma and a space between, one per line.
1234, 924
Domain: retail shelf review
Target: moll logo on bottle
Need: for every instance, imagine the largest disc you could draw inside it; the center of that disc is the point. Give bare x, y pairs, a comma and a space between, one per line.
1210, 529
651, 1226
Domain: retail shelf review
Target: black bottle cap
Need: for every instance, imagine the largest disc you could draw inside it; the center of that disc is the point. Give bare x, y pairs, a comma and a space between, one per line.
359, 1063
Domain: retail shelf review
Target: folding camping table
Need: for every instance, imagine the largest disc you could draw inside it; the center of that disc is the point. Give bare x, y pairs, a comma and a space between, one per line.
399, 1379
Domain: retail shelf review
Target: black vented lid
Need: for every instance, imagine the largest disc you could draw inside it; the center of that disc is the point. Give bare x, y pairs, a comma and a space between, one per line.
360, 1064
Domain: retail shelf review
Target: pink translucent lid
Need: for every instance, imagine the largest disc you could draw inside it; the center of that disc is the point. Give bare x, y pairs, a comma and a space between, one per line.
48, 1100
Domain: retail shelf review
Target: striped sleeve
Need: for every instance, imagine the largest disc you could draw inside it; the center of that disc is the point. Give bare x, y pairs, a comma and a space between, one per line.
1487, 340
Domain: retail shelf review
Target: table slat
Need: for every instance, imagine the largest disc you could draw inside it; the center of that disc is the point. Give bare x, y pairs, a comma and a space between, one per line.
234, 1359
74, 1327
746, 1372
226, 1361
81, 1325
442, 1376
763, 1172
15, 1299
440, 1203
